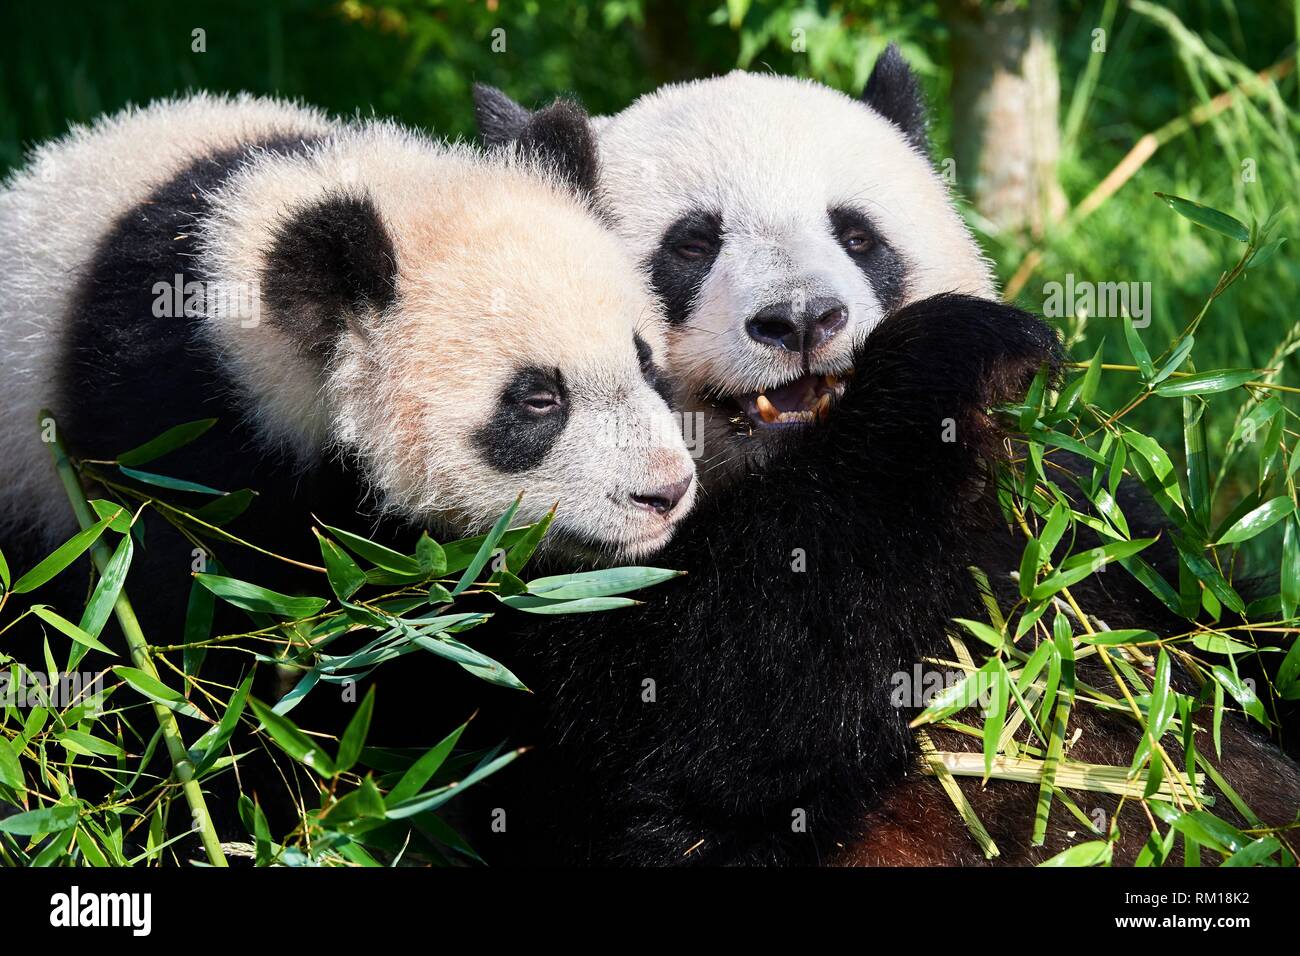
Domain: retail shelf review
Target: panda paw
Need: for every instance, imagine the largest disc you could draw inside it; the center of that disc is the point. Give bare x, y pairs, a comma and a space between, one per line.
976, 350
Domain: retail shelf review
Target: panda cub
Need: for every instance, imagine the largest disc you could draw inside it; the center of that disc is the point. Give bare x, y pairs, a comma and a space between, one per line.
807, 254
383, 325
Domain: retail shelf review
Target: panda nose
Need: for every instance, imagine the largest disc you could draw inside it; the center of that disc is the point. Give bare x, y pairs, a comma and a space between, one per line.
663, 499
817, 323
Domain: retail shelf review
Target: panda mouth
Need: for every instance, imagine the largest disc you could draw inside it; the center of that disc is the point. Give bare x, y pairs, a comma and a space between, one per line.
796, 404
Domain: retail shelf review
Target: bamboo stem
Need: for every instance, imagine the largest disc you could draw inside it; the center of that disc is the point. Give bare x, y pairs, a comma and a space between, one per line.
139, 650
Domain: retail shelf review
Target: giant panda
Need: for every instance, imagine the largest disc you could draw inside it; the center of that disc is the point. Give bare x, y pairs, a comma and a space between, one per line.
830, 316
778, 221
379, 322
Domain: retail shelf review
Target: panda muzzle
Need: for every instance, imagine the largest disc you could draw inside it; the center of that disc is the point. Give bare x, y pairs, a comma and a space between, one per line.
803, 401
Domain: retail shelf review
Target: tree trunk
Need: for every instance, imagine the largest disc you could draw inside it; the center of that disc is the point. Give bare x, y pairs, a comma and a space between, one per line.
1005, 93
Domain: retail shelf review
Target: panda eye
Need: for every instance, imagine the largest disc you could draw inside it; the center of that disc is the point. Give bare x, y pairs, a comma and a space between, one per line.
693, 250
542, 402
856, 240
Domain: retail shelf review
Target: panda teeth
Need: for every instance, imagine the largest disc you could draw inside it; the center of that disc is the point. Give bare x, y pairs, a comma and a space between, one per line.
767, 410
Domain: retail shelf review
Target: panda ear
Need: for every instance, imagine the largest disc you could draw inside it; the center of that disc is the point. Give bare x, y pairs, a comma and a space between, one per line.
500, 119
331, 261
893, 91
561, 137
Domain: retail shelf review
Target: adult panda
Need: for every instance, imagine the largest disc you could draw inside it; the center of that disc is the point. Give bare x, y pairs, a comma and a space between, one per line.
779, 222
806, 252
383, 325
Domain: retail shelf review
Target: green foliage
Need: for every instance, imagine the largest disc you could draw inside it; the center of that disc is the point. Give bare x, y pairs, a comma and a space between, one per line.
1029, 672
371, 605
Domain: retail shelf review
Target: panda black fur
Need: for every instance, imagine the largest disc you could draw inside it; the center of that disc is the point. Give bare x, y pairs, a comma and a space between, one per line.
812, 580
753, 197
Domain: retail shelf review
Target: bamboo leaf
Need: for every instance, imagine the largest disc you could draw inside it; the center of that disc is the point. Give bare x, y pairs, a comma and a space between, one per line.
1091, 853
1176, 359
603, 583
1060, 721
1139, 350
1241, 692
62, 556
1201, 827
292, 740
119, 515
1125, 636
957, 697
1207, 383
250, 597
1198, 465
1211, 219
51, 617
1092, 377
486, 548
997, 716
53, 819
345, 577
423, 803
432, 559
169, 440
1206, 572
377, 554
1259, 520
1254, 853
530, 604
1084, 564
11, 771
420, 772
225, 509
354, 737
523, 550
163, 481
1290, 569
1213, 642
100, 605
985, 633
208, 747
156, 690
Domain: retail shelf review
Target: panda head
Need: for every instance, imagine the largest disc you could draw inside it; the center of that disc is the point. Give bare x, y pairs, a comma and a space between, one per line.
779, 221
466, 330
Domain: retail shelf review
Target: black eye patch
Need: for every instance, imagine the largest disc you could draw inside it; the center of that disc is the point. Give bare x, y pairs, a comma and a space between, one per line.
682, 260
650, 371
880, 262
530, 415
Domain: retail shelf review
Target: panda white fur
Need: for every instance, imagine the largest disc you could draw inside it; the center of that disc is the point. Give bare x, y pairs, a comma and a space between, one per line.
806, 252
400, 323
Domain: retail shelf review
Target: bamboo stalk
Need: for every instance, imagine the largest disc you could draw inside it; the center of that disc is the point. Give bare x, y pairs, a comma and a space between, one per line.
933, 764
139, 651
1099, 778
